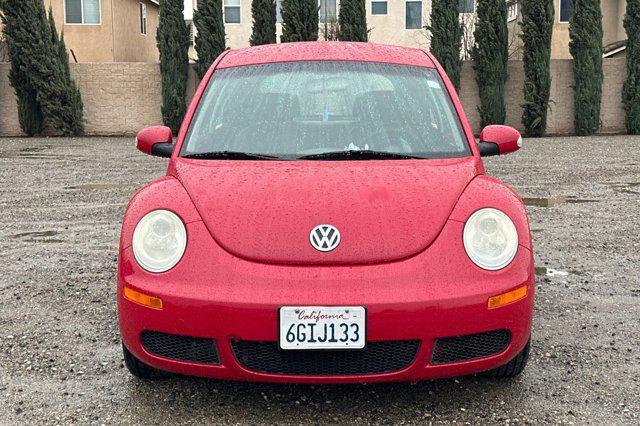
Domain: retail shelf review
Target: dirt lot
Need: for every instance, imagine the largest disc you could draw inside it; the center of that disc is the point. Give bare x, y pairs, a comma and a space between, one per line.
62, 200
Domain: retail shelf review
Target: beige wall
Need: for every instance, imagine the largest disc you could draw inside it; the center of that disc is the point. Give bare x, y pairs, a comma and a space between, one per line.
560, 118
117, 38
118, 98
122, 98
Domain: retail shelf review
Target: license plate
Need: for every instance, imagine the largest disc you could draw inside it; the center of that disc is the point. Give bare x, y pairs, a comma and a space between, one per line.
322, 327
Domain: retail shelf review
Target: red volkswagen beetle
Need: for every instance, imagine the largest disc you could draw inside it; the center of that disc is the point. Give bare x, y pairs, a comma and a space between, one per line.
326, 218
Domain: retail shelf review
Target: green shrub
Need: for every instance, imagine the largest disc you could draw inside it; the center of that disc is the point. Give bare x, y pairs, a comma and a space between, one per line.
264, 22
631, 89
40, 70
537, 28
490, 55
585, 32
352, 21
299, 20
210, 39
446, 37
173, 45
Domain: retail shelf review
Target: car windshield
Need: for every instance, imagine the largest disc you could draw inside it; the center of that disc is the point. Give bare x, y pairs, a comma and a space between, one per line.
325, 110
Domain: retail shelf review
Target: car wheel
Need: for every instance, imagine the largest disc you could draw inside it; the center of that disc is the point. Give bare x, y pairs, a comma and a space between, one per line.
139, 368
514, 367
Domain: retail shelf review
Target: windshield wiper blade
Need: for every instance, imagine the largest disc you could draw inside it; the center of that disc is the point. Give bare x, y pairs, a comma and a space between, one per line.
230, 155
357, 154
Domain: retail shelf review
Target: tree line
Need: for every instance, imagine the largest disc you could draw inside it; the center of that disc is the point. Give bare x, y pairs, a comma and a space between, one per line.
47, 96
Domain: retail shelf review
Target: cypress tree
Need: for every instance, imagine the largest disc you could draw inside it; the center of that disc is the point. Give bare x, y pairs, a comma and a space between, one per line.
631, 89
299, 20
210, 36
40, 61
264, 22
352, 21
585, 32
30, 114
446, 37
173, 45
537, 27
75, 98
490, 56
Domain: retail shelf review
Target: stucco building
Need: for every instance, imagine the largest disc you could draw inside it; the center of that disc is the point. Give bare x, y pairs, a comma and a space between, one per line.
614, 35
397, 22
107, 30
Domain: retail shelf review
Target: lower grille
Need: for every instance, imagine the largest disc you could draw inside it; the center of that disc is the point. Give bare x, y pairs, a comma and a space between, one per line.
469, 347
375, 358
181, 348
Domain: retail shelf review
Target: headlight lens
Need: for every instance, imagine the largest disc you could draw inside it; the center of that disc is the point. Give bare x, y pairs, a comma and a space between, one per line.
490, 239
159, 241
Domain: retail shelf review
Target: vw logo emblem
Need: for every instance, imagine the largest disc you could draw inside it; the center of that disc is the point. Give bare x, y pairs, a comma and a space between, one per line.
324, 237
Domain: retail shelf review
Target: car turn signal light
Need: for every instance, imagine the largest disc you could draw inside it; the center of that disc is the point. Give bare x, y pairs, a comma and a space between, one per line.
142, 299
506, 298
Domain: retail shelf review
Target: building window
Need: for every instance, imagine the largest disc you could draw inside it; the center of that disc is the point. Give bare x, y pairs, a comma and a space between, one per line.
413, 15
466, 6
82, 12
512, 12
566, 10
143, 19
327, 10
231, 11
279, 11
378, 7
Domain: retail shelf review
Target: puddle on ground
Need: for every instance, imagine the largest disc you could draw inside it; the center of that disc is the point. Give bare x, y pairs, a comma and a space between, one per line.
99, 186
625, 187
37, 237
34, 149
572, 199
549, 272
544, 201
34, 234
541, 270
33, 155
554, 201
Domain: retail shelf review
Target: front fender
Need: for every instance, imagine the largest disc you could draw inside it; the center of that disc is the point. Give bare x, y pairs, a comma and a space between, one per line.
487, 192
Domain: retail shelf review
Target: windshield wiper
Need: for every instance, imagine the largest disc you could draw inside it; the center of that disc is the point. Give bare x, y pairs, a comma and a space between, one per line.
230, 155
364, 154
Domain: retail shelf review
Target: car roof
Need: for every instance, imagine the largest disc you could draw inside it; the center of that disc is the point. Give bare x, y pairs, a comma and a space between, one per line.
325, 51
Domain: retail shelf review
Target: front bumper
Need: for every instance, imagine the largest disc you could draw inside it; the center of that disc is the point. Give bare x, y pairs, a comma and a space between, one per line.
435, 294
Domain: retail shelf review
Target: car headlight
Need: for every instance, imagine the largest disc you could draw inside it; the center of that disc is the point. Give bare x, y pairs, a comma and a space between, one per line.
159, 241
490, 239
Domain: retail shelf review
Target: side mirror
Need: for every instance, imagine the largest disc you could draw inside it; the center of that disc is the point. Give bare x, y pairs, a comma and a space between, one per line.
499, 140
155, 140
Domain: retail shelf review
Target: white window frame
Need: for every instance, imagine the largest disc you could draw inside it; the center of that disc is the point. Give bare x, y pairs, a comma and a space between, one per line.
321, 17
421, 14
514, 5
465, 12
64, 12
143, 19
380, 14
224, 13
560, 21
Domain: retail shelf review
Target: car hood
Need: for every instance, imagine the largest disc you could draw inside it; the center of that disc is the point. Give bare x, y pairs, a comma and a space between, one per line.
264, 211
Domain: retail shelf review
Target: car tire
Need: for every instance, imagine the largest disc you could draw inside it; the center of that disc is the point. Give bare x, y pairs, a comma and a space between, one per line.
139, 368
514, 367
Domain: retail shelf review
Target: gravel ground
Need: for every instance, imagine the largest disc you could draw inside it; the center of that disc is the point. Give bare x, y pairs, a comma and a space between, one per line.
62, 201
